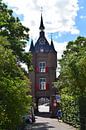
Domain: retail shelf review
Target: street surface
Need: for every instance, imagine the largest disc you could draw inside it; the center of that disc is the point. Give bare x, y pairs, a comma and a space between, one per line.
44, 122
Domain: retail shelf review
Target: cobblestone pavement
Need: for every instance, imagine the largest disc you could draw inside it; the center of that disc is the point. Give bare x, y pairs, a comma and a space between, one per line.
45, 123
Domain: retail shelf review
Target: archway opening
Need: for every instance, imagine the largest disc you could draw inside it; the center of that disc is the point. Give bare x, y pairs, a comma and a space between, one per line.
44, 105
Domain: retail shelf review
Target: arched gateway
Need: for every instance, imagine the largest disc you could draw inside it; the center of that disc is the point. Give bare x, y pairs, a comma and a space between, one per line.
44, 60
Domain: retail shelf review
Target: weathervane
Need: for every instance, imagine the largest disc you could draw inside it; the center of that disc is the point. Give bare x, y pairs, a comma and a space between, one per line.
41, 9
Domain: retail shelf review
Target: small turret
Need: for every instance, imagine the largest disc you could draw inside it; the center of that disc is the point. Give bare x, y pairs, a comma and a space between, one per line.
31, 46
52, 44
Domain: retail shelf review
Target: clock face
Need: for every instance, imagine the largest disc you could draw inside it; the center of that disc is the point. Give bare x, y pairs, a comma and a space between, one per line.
41, 50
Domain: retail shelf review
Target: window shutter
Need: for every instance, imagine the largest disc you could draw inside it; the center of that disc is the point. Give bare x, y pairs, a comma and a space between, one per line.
37, 69
37, 87
46, 69
47, 86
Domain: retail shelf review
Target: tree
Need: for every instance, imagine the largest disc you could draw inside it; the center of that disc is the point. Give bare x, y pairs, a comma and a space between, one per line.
14, 102
14, 81
73, 74
16, 33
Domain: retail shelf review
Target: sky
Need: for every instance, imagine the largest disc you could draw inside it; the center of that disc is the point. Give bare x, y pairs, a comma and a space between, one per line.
65, 20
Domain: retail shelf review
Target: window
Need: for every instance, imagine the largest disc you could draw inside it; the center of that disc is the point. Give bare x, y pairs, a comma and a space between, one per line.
42, 83
42, 66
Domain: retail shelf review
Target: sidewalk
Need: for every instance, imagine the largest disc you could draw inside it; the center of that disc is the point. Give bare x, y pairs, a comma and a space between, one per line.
45, 123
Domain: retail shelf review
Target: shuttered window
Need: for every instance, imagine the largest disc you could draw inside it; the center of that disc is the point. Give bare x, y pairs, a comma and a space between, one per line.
42, 66
42, 83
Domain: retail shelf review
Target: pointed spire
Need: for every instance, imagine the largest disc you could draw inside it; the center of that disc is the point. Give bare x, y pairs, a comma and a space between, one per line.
52, 42
31, 46
52, 45
41, 24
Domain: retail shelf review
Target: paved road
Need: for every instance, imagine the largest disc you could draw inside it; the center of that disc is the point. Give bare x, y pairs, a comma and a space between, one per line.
44, 123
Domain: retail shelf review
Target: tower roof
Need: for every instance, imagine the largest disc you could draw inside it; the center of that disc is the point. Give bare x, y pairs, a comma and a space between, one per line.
42, 45
31, 46
41, 24
52, 46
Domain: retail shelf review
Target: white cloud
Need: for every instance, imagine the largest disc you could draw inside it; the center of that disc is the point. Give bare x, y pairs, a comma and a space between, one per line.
82, 17
24, 66
60, 47
82, 7
59, 15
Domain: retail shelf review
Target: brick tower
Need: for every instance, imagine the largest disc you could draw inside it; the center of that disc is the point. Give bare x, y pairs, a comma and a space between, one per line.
44, 60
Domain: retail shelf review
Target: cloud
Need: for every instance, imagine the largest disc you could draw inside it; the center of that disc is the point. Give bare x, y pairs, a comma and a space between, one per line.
60, 47
82, 17
81, 7
58, 15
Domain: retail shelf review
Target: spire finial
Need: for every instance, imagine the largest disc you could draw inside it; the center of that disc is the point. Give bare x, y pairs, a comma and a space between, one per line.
41, 9
41, 23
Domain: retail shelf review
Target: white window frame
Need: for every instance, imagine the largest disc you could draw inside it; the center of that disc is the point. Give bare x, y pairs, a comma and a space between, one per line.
42, 83
42, 66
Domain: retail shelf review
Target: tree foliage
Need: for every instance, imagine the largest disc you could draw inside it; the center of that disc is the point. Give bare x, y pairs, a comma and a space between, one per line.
15, 99
16, 33
13, 88
73, 66
72, 80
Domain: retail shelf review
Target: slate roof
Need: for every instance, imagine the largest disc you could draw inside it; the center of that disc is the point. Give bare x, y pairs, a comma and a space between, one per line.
42, 45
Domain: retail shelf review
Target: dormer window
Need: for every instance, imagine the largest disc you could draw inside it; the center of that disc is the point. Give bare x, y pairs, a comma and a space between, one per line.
42, 66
